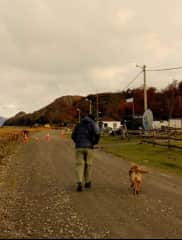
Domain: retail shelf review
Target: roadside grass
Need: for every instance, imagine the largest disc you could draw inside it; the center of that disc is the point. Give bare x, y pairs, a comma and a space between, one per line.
8, 130
167, 160
15, 129
7, 143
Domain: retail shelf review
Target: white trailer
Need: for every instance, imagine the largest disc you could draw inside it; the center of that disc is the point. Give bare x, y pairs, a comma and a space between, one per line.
112, 124
175, 123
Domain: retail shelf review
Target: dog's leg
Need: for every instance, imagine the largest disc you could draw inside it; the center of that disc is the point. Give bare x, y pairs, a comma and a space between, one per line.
134, 188
138, 187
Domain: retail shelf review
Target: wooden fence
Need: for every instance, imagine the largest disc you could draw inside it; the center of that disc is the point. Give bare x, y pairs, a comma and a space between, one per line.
170, 138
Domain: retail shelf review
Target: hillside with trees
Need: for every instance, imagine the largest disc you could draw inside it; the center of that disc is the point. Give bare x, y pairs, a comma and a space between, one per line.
164, 104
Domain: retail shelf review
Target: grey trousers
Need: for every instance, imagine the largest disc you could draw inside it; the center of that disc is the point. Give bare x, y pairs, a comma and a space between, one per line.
84, 160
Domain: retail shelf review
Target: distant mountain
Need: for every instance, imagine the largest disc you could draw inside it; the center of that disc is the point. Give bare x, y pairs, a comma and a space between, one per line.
2, 120
20, 114
65, 110
61, 110
112, 106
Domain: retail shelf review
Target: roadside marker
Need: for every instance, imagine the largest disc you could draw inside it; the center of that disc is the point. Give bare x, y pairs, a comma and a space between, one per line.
36, 139
47, 137
25, 138
62, 133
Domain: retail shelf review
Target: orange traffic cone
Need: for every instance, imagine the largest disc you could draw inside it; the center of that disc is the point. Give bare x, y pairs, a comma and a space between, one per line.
25, 138
47, 137
62, 133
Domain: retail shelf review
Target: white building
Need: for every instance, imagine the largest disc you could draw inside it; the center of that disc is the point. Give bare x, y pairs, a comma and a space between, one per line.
159, 124
112, 124
173, 123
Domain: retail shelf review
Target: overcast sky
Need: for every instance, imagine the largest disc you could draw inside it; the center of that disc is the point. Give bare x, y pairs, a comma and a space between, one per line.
52, 48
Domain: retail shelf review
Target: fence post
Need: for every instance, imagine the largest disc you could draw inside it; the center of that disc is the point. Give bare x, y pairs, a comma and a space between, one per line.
153, 130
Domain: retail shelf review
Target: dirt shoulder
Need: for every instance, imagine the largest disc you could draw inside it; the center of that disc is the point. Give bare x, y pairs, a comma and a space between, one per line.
38, 197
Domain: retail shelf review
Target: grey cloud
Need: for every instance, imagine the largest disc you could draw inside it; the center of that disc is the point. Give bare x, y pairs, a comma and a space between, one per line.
51, 48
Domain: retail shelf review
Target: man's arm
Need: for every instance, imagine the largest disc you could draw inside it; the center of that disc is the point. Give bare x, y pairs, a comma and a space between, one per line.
96, 135
73, 135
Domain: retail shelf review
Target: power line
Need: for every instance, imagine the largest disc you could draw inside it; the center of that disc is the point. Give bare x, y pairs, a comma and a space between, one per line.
144, 72
163, 69
133, 80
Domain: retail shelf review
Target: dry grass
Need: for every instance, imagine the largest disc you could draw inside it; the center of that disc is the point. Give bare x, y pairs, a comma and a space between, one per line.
10, 136
9, 130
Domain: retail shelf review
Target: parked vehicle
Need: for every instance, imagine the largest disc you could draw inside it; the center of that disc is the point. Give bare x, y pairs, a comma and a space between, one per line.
134, 123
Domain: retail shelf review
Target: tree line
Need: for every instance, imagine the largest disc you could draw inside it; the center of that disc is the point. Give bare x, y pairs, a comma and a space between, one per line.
165, 104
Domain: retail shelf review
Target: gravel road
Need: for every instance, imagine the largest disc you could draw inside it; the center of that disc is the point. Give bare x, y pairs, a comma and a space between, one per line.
39, 200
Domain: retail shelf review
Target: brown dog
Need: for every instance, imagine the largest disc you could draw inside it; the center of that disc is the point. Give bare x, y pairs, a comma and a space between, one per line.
135, 176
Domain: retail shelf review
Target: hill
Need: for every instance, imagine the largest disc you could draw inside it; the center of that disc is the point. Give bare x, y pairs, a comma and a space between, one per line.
64, 110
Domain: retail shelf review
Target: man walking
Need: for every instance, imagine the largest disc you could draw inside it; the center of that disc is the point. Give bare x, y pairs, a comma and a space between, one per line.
85, 135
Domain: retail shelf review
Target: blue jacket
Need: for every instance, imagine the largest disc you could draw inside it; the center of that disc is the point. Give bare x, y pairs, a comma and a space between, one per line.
86, 133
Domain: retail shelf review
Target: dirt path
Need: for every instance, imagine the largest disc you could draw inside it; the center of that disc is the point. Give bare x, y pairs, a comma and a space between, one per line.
38, 197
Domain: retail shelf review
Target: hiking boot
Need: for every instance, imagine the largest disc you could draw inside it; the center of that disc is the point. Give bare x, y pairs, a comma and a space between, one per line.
88, 185
79, 187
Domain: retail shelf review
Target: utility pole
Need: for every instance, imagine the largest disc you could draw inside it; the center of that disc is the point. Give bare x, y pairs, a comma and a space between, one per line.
133, 108
144, 86
90, 105
97, 106
78, 110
